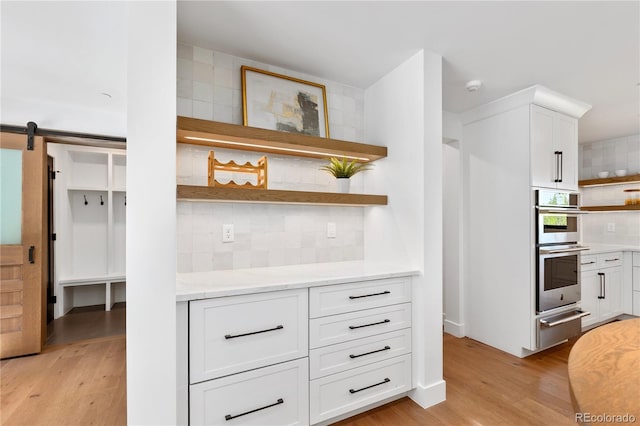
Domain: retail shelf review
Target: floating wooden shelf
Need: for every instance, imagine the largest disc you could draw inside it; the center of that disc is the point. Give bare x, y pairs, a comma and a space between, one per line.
233, 136
206, 193
611, 208
610, 181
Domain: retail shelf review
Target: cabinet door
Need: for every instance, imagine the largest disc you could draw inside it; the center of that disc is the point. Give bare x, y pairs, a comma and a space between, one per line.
590, 290
565, 141
611, 304
543, 158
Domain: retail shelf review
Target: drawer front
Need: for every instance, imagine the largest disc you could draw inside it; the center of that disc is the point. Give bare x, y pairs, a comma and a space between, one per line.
588, 262
343, 392
276, 395
354, 325
609, 260
341, 298
233, 334
636, 258
636, 278
356, 353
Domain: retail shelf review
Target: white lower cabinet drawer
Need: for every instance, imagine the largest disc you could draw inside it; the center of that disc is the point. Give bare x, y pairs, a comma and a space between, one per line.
354, 325
356, 353
228, 335
341, 298
275, 395
340, 393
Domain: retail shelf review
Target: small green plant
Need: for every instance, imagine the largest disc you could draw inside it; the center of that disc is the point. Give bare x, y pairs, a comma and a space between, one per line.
341, 168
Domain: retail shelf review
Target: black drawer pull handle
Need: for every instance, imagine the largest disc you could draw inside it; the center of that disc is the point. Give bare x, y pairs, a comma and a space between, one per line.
612, 260
386, 348
230, 417
353, 327
369, 295
588, 263
386, 380
229, 336
32, 258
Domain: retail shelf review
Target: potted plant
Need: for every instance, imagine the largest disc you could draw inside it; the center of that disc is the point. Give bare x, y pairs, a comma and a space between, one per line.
342, 170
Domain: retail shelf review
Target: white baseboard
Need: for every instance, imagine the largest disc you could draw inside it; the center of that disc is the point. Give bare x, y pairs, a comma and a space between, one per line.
426, 396
454, 328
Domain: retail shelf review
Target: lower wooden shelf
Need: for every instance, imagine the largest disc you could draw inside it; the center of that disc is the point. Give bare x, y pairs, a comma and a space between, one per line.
611, 208
208, 193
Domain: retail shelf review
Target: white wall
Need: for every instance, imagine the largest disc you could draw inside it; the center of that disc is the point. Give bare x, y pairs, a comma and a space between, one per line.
151, 213
609, 155
403, 111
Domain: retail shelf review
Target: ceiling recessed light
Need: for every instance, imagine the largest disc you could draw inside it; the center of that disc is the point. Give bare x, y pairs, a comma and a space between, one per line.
474, 85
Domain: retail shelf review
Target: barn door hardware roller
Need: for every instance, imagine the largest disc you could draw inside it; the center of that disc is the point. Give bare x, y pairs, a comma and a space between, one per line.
31, 133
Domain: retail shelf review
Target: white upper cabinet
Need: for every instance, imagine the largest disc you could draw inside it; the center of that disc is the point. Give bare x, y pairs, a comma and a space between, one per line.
554, 149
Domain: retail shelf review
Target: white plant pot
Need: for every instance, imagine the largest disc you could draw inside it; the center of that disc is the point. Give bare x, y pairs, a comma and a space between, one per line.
343, 185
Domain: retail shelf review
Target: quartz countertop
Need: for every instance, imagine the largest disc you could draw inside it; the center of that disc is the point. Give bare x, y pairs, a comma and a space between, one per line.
203, 285
597, 248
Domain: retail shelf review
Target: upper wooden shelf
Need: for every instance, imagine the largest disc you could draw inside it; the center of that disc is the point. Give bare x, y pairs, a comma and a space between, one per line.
611, 208
212, 193
610, 180
233, 136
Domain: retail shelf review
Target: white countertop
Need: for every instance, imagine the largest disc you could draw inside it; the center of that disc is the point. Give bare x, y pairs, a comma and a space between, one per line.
203, 285
597, 248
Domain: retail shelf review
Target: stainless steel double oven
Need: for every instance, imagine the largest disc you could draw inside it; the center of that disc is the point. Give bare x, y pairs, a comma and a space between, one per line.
558, 265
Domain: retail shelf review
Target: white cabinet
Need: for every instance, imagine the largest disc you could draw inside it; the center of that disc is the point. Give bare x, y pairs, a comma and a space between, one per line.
636, 283
233, 334
275, 395
248, 359
602, 283
554, 149
89, 209
361, 345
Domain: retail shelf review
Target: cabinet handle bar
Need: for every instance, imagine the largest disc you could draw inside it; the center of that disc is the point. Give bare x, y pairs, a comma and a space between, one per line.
386, 348
230, 336
230, 417
369, 295
352, 327
386, 380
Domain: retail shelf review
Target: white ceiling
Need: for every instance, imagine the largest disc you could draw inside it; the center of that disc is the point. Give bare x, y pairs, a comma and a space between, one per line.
586, 50
71, 52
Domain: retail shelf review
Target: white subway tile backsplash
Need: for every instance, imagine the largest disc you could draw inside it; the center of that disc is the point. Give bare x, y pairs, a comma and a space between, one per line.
203, 72
185, 51
202, 92
202, 55
203, 110
184, 107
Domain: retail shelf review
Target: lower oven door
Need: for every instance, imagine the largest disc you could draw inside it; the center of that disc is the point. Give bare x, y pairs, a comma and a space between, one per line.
558, 278
557, 328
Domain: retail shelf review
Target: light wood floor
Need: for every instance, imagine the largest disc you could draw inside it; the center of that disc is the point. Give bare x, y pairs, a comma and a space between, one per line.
84, 383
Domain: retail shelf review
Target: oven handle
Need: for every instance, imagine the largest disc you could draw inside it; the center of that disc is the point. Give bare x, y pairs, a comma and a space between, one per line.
579, 314
568, 212
567, 250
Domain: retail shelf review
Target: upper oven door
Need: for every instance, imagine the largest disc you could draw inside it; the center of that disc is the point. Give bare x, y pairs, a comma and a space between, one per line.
558, 226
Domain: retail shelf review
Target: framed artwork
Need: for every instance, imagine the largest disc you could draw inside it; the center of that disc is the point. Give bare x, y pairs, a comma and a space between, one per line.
278, 102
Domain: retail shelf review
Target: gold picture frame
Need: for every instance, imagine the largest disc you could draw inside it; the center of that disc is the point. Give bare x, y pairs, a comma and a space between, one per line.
279, 102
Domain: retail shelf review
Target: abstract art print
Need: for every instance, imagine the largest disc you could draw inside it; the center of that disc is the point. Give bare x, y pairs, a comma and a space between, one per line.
278, 102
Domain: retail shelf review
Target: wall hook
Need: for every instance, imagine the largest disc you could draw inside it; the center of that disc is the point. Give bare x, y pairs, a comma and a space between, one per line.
125, 200
85, 200
101, 201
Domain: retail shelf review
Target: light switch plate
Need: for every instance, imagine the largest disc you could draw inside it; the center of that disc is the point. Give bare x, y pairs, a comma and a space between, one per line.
331, 230
611, 227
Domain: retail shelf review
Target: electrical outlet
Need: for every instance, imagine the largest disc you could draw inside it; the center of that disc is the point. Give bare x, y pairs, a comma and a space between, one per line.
611, 227
331, 230
227, 233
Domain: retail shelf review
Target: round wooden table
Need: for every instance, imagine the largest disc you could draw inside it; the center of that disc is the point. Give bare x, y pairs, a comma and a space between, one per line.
604, 374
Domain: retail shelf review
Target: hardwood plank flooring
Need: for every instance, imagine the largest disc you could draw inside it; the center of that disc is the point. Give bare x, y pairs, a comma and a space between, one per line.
81, 383
88, 322
84, 383
488, 387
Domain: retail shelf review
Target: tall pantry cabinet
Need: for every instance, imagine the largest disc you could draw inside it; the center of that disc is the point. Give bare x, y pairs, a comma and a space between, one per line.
89, 205
510, 147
